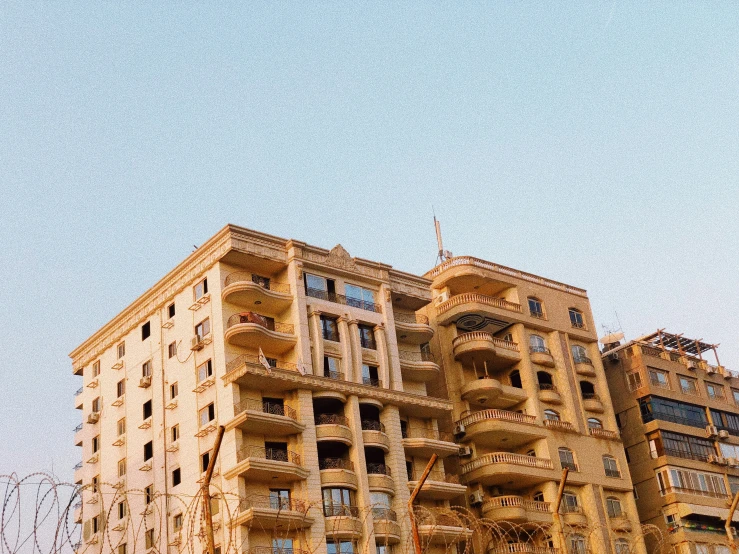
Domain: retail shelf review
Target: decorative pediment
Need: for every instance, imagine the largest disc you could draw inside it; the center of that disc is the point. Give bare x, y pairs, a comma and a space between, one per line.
339, 257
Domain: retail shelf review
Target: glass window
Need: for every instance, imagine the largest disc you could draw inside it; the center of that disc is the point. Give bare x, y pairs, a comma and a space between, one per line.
537, 344
634, 380
359, 297
610, 466
688, 385
95, 444
207, 414
622, 546
148, 451
121, 467
205, 370
96, 404
331, 367
567, 459
175, 432
121, 350
315, 282
569, 502
576, 545
176, 477
279, 499
330, 328
147, 409
594, 423
659, 378
96, 368
200, 289
576, 318
370, 375
340, 547
203, 328
579, 354
120, 388
551, 415
715, 392
367, 337
145, 330
149, 494
670, 410
535, 307
613, 507
177, 522
172, 349
338, 501
146, 369
170, 310
173, 390
122, 426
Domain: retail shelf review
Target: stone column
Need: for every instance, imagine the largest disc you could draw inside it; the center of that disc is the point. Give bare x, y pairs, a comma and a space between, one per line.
356, 454
347, 363
384, 373
356, 347
395, 460
315, 322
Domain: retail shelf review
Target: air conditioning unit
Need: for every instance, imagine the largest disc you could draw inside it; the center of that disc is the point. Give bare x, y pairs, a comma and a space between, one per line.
443, 297
459, 430
613, 357
721, 461
145, 382
711, 431
723, 434
465, 451
712, 459
711, 370
197, 343
94, 417
732, 462
477, 498
691, 365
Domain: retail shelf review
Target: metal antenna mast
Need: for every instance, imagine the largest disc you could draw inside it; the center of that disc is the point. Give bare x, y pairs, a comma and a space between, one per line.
442, 254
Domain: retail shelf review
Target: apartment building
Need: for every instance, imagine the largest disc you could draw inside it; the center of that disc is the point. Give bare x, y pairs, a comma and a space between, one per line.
530, 396
679, 419
326, 433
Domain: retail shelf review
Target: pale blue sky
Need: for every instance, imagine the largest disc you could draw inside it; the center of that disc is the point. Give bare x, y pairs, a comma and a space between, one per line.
593, 143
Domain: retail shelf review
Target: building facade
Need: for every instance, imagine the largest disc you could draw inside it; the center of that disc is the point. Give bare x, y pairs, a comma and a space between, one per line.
316, 365
679, 418
523, 370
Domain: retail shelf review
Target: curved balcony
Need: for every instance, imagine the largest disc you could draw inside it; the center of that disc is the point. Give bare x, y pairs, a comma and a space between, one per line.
441, 528
254, 416
268, 465
491, 393
592, 403
480, 307
242, 289
574, 516
541, 356
484, 349
413, 328
559, 425
387, 530
522, 548
333, 427
337, 472
438, 486
251, 330
494, 428
584, 366
620, 524
379, 478
273, 513
342, 522
424, 442
517, 509
373, 434
418, 366
499, 468
604, 434
549, 393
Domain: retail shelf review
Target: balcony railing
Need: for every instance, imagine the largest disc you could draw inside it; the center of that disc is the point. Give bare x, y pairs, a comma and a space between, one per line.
507, 458
336, 375
547, 386
687, 455
273, 408
572, 466
680, 490
542, 349
436, 475
411, 318
570, 508
559, 425
335, 463
275, 550
482, 335
250, 359
372, 425
331, 419
341, 299
421, 433
473, 297
515, 502
272, 503
371, 381
264, 282
424, 517
377, 469
421, 356
603, 433
504, 415
590, 396
257, 319
273, 454
522, 548
583, 360
384, 513
331, 510
651, 416
613, 473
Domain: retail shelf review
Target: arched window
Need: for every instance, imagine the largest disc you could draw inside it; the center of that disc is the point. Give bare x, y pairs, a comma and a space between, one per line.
538, 496
569, 502
622, 546
587, 389
508, 337
535, 307
551, 415
515, 378
576, 545
545, 380
594, 423
576, 318
567, 459
537, 344
580, 355
613, 507
531, 453
610, 466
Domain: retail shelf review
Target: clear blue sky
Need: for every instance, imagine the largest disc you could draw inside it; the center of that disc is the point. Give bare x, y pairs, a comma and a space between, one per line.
593, 143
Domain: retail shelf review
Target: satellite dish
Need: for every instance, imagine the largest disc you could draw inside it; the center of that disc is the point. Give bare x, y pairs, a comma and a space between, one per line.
613, 337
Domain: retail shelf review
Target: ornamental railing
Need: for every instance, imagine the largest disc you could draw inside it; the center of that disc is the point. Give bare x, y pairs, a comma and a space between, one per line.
336, 375
250, 359
335, 463
341, 299
384, 513
583, 360
371, 381
334, 510
262, 321
559, 425
603, 433
504, 415
275, 550
482, 335
378, 469
590, 396
273, 454
410, 318
372, 425
264, 282
436, 475
331, 419
421, 433
507, 458
539, 349
473, 297
421, 356
273, 408
516, 502
272, 503
522, 548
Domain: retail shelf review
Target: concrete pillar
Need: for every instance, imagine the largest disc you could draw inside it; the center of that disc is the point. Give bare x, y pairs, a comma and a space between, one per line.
347, 365
315, 322
356, 454
395, 460
383, 370
356, 348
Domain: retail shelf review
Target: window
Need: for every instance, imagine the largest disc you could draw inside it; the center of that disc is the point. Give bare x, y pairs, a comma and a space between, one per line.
173, 391
96, 404
146, 369
147, 409
95, 483
96, 368
170, 311
95, 443
204, 461
122, 549
120, 388
545, 380
538, 496
689, 481
688, 385
383, 549
320, 287
515, 379
613, 507
121, 350
622, 546
205, 370
96, 524
537, 344
551, 415
279, 499
535, 307
659, 378
146, 330
148, 451
177, 522
172, 349
200, 289
207, 414
587, 390
149, 494
610, 466
176, 477
370, 375
576, 545
203, 328
121, 467
330, 328
570, 503
149, 541
576, 318
580, 355
122, 426
359, 297
121, 510
338, 501
726, 421
367, 337
340, 547
670, 410
175, 432
735, 394
633, 379
715, 392
567, 459
276, 451
282, 546
331, 367
728, 450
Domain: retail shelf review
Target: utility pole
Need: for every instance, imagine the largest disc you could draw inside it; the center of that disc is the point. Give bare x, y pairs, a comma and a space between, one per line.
729, 519
210, 541
555, 513
419, 485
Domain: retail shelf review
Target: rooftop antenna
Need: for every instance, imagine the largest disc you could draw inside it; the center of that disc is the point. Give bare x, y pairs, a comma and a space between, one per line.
442, 255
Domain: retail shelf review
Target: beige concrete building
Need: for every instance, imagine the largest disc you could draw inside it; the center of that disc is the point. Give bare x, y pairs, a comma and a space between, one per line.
530, 397
324, 435
679, 419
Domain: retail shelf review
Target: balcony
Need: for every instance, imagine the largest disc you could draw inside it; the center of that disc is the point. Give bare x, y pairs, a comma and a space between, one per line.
379, 478
268, 465
440, 529
494, 428
342, 522
254, 416
584, 366
337, 472
574, 516
592, 403
559, 425
267, 512
541, 355
483, 307
438, 486
333, 427
418, 366
412, 328
387, 530
424, 442
604, 434
248, 290
251, 330
549, 393
484, 349
522, 548
620, 523
275, 550
499, 468
517, 509
491, 393
373, 434
341, 299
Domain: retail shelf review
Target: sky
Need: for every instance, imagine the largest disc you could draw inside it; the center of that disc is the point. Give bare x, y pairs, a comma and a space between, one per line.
592, 143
